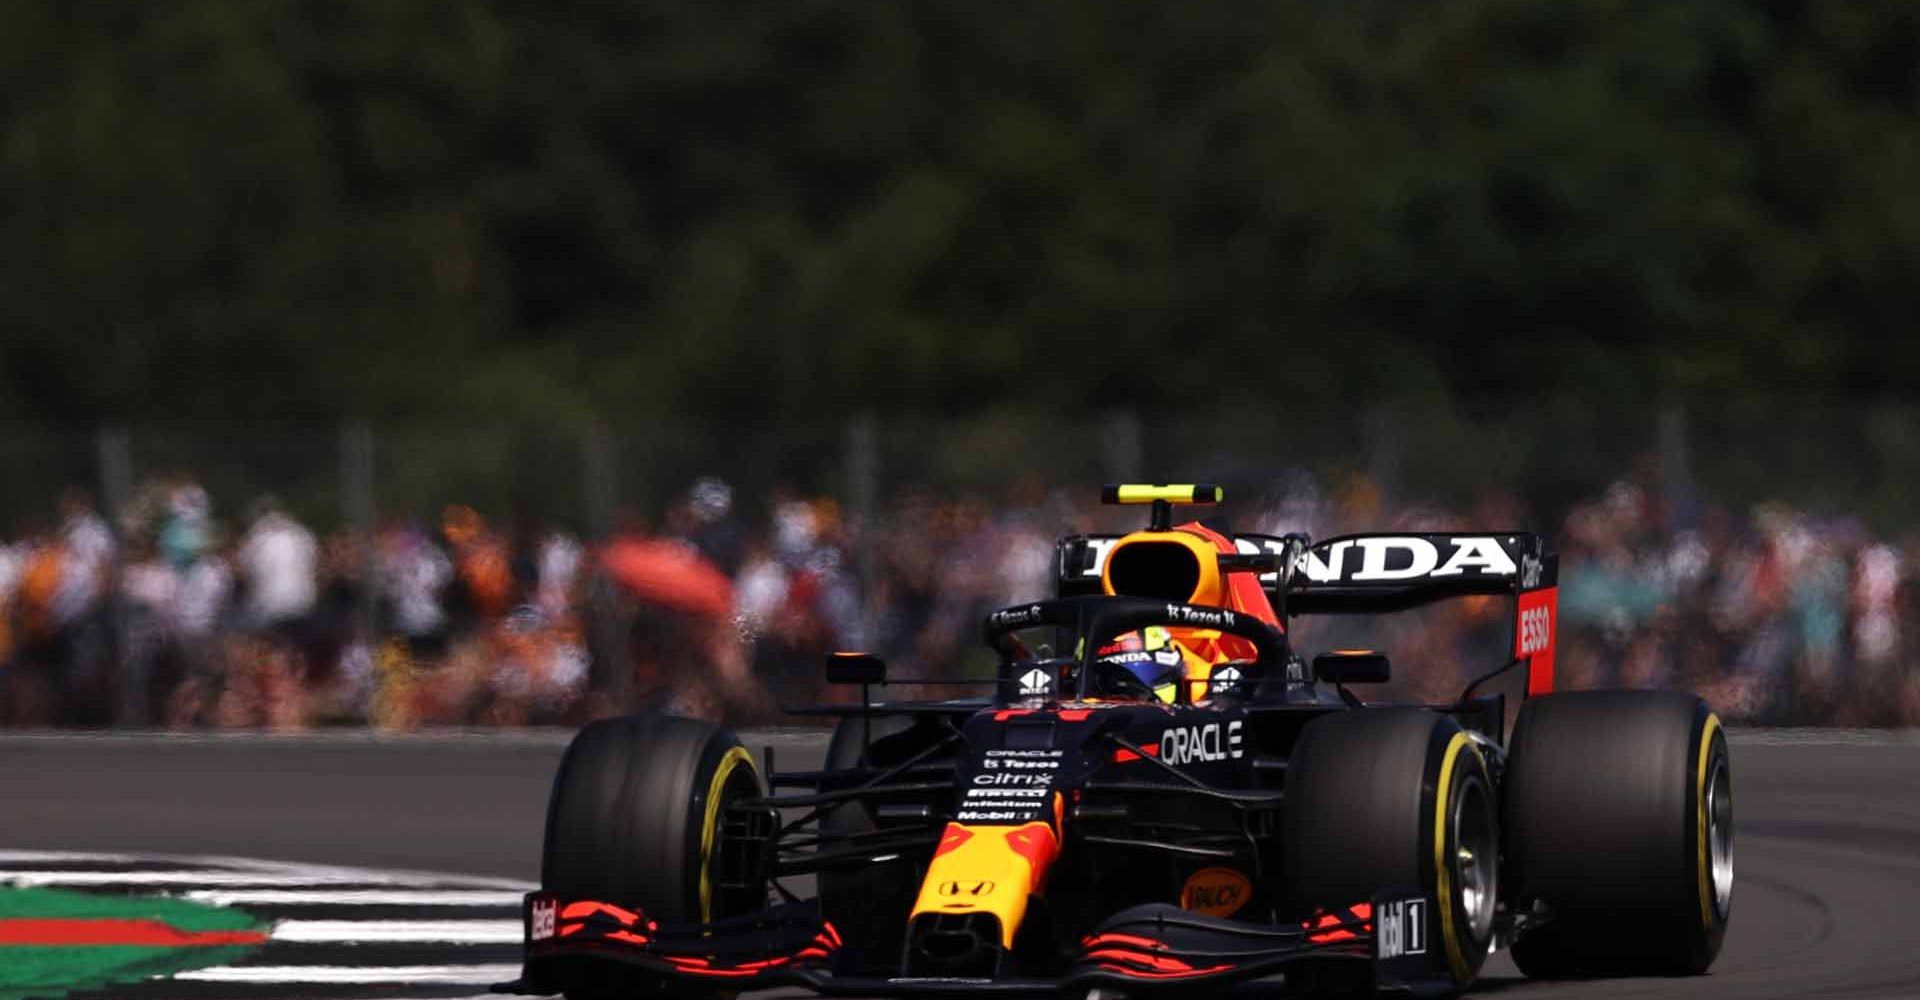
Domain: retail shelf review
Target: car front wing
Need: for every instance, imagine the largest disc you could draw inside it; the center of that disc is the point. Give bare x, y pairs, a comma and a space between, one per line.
1153, 948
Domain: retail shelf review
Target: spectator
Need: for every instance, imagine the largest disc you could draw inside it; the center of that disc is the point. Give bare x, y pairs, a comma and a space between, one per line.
413, 574
87, 558
482, 566
200, 612
278, 561
1774, 614
557, 576
150, 587
83, 642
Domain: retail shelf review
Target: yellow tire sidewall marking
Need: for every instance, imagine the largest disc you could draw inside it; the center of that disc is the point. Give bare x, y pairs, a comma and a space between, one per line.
1443, 874
733, 758
1704, 864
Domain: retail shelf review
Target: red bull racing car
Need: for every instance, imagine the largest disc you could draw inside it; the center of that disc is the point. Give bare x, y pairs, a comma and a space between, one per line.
1160, 793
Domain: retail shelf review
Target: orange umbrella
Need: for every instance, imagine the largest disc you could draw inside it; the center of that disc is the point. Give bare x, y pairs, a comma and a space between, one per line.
669, 574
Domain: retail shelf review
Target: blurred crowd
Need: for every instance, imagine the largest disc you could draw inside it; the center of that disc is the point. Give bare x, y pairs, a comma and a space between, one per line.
177, 612
171, 615
1776, 616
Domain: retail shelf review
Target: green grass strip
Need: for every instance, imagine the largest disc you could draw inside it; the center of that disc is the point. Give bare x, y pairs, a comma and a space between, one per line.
51, 972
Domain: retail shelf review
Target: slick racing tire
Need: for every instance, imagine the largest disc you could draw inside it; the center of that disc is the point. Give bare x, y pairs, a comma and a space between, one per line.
635, 816
1619, 834
1384, 799
868, 904
635, 820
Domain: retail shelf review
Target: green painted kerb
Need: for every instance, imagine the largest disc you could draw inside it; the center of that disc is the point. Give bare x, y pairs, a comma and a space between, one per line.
43, 971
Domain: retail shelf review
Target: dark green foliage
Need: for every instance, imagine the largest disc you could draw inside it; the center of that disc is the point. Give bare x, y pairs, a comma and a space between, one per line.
547, 211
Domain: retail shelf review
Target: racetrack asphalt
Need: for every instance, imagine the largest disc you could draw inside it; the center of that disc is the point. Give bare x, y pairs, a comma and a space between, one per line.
1827, 850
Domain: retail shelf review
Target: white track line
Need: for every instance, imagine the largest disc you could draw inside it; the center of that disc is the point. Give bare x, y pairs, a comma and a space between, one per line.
202, 878
33, 857
396, 931
273, 871
418, 975
1824, 737
355, 897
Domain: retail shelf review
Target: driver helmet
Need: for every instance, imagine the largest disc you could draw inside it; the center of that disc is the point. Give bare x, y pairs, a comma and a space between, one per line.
1151, 656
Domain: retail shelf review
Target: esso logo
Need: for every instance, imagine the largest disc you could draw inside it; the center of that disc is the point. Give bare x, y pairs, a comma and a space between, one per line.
1216, 892
1536, 630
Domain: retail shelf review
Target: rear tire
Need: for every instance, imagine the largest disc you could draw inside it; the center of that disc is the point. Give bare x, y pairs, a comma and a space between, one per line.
1619, 820
1387, 798
634, 820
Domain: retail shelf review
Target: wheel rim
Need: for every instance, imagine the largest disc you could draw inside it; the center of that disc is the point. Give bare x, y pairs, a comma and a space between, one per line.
741, 784
1475, 858
1720, 835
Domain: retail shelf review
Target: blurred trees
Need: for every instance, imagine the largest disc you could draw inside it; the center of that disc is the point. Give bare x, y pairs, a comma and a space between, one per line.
548, 210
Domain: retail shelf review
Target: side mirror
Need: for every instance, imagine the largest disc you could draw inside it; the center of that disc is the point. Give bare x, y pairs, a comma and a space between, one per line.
855, 668
1351, 666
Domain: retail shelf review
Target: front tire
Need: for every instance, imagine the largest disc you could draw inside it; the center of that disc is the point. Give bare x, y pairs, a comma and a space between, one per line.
635, 816
635, 820
1619, 820
1386, 798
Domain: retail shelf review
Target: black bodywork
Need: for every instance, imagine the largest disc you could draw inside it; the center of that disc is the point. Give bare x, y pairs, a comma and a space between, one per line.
1152, 795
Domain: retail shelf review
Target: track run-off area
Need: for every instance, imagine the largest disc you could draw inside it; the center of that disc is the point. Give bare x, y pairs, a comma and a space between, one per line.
292, 929
389, 866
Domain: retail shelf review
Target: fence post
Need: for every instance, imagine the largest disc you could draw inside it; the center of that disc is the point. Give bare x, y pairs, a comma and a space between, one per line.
114, 457
606, 624
1383, 439
357, 508
862, 464
599, 481
1122, 453
1676, 469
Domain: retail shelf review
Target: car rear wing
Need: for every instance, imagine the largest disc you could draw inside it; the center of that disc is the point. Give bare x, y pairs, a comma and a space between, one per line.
1380, 573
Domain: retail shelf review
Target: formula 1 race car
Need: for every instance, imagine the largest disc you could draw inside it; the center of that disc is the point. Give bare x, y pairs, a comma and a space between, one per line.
1176, 800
